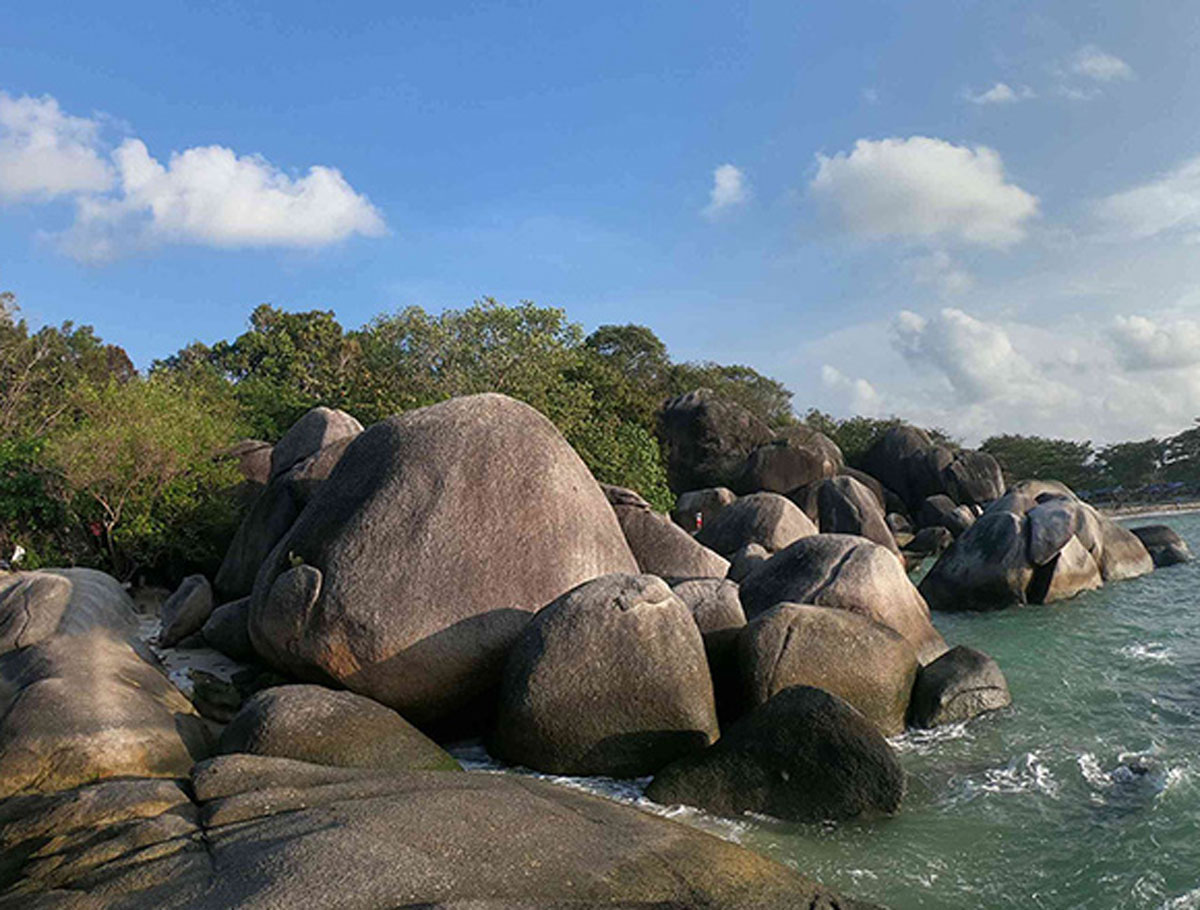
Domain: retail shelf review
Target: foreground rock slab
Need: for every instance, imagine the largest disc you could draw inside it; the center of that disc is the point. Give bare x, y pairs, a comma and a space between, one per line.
805, 756
269, 833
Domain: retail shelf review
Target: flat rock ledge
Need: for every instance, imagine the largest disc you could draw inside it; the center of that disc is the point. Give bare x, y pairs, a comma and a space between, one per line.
265, 833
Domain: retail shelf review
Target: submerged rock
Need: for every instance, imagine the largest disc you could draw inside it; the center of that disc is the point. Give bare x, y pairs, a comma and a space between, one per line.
1164, 545
609, 679
961, 684
803, 756
415, 567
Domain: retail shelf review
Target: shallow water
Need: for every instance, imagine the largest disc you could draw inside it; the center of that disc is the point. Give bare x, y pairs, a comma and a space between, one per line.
1084, 794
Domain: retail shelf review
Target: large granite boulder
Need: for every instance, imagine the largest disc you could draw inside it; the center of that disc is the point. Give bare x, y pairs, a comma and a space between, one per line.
270, 833
185, 611
414, 568
973, 478
697, 508
767, 519
659, 545
253, 457
707, 439
940, 511
327, 727
789, 462
317, 429
869, 665
1164, 545
906, 460
271, 517
804, 756
1035, 544
846, 506
746, 560
609, 679
961, 684
718, 613
76, 708
847, 573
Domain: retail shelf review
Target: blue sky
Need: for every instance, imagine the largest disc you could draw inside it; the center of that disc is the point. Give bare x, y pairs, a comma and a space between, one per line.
981, 215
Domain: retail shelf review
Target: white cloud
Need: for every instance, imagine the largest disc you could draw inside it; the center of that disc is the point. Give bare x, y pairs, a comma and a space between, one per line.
941, 270
46, 153
1143, 344
211, 196
857, 396
1096, 64
870, 95
924, 188
1000, 93
729, 189
1169, 204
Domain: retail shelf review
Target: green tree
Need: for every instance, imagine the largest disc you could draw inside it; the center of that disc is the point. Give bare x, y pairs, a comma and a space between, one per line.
1131, 464
138, 468
1039, 458
765, 397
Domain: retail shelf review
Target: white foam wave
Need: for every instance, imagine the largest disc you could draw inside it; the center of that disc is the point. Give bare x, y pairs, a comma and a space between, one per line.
922, 742
1188, 901
1024, 774
1152, 651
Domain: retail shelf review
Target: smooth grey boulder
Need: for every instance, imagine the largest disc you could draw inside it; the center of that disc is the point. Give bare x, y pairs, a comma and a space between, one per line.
801, 434
784, 464
973, 478
1164, 545
847, 573
697, 508
227, 630
961, 684
804, 756
1071, 571
807, 500
986, 569
253, 460
270, 833
609, 679
707, 439
929, 542
898, 459
746, 560
659, 545
36, 606
186, 611
314, 431
899, 524
940, 511
871, 483
846, 506
271, 516
414, 568
327, 727
1124, 555
767, 519
76, 708
869, 665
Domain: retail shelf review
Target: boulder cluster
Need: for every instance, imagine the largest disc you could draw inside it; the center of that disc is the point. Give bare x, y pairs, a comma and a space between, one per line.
456, 571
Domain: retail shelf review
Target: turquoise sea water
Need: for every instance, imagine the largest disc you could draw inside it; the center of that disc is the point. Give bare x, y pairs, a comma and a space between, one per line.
1084, 794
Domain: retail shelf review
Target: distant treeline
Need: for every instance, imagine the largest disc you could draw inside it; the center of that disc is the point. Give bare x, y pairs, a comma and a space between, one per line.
102, 465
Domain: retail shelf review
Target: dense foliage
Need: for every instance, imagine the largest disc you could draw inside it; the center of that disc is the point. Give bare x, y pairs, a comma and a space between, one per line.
103, 466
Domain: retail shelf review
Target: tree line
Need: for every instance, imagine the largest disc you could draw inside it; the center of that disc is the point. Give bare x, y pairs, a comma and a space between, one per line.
129, 471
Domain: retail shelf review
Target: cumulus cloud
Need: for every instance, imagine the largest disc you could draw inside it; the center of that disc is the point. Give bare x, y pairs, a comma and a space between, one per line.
45, 152
729, 189
941, 270
1093, 63
212, 196
857, 396
924, 188
1000, 93
1143, 344
1168, 204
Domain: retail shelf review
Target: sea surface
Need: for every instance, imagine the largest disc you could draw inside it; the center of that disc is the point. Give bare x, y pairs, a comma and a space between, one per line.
1084, 794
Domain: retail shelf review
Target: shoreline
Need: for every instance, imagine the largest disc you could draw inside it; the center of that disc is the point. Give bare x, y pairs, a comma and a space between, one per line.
1148, 509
